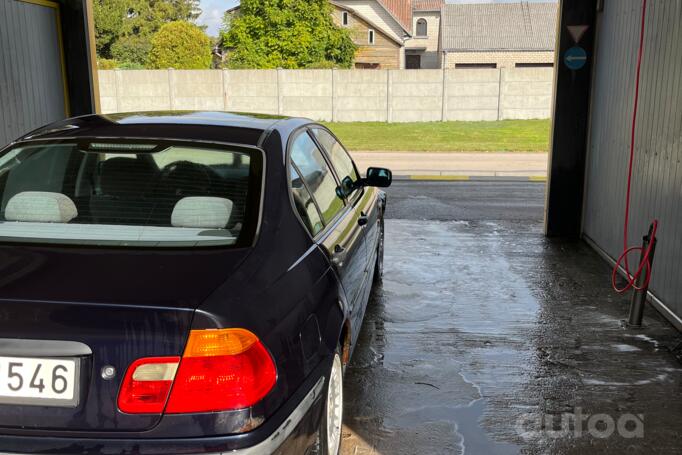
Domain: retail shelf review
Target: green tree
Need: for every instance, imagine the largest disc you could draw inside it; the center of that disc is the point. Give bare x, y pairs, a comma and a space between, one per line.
124, 28
286, 34
180, 45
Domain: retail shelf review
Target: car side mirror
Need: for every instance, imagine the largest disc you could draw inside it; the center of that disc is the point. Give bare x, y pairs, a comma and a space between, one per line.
376, 176
379, 177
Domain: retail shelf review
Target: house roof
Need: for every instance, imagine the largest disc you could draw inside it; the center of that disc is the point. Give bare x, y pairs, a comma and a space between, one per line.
499, 26
401, 10
428, 5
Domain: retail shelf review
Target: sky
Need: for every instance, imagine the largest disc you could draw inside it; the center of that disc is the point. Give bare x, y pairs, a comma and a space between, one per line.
213, 11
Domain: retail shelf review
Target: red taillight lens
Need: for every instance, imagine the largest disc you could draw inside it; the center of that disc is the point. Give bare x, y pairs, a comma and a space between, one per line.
146, 385
221, 370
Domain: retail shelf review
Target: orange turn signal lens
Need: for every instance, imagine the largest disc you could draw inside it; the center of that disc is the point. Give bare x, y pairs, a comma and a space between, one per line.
212, 343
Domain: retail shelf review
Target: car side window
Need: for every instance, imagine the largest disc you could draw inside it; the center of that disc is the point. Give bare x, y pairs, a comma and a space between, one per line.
304, 203
341, 160
317, 175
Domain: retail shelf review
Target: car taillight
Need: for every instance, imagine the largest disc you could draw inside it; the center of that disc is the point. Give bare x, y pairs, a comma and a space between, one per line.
221, 370
147, 384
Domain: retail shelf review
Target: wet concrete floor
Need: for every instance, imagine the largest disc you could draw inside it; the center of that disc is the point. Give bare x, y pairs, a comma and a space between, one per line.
487, 338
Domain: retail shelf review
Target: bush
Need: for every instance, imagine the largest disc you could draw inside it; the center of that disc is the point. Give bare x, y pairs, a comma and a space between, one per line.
107, 64
132, 50
289, 34
180, 45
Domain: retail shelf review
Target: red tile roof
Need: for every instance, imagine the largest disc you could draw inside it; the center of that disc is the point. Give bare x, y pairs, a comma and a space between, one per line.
428, 5
401, 11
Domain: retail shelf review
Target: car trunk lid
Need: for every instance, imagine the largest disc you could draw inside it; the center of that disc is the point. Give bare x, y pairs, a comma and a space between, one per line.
100, 309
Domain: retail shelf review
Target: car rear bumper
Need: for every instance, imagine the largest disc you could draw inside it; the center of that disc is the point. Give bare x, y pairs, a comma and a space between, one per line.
295, 430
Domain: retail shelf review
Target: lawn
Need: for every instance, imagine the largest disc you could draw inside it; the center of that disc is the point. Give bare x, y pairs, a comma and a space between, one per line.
506, 135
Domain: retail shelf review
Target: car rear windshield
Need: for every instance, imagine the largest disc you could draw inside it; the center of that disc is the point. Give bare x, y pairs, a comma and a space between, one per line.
130, 193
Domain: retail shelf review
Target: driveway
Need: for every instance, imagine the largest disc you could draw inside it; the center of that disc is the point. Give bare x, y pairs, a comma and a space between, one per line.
485, 334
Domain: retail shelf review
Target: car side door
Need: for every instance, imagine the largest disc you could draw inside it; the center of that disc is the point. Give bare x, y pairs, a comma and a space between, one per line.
332, 222
360, 200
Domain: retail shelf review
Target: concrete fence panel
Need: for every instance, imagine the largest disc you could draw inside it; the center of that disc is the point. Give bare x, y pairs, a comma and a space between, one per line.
338, 95
360, 96
472, 94
254, 91
306, 93
197, 90
526, 93
141, 90
416, 96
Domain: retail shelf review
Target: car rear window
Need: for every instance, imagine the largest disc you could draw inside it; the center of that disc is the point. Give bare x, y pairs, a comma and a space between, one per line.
129, 193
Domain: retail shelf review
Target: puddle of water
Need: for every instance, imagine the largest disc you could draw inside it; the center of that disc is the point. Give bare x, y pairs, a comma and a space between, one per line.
471, 437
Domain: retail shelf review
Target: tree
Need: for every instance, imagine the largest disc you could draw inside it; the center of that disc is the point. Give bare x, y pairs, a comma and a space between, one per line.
180, 45
286, 34
124, 28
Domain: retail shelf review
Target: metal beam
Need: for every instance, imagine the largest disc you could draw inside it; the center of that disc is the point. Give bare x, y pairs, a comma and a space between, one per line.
570, 118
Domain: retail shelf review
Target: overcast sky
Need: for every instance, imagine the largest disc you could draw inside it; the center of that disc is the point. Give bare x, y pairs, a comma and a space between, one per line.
213, 10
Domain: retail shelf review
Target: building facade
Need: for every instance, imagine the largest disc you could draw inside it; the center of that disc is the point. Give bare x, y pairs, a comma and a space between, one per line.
423, 50
391, 21
503, 35
376, 49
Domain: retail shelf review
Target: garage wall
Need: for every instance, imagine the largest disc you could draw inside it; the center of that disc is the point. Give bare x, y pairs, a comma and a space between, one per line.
657, 190
31, 79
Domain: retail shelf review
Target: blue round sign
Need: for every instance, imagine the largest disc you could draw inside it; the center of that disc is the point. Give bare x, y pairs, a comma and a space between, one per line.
575, 58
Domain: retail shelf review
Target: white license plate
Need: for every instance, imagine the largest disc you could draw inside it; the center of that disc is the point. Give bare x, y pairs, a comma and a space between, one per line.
40, 382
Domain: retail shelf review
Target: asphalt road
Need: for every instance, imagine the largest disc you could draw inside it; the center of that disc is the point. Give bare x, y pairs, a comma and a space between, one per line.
484, 337
466, 201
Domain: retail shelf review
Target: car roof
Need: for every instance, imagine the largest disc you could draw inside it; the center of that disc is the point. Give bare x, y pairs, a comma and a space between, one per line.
229, 127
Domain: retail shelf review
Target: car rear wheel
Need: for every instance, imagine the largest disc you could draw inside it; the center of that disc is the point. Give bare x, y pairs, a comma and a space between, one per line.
332, 418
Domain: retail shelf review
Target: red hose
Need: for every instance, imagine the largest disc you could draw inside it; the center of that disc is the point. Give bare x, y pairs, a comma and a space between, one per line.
646, 255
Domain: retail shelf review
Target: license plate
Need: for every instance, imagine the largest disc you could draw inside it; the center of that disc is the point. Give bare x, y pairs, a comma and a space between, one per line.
39, 382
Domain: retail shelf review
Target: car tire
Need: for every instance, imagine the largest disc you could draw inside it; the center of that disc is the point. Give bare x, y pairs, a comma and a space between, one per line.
379, 264
331, 425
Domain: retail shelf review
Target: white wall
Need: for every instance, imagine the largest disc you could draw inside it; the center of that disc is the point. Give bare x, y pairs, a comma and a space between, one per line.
338, 95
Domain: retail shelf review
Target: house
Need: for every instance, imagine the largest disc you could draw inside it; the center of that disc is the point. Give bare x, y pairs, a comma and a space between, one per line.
423, 49
499, 35
379, 29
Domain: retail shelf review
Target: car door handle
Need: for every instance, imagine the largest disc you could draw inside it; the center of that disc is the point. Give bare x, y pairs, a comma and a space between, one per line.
339, 256
363, 220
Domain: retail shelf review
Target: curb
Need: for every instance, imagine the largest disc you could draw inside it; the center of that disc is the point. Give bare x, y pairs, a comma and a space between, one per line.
472, 178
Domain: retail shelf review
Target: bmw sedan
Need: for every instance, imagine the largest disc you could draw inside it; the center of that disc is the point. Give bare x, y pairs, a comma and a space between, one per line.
178, 283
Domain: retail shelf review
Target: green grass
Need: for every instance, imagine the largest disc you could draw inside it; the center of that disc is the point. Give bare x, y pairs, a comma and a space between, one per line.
503, 136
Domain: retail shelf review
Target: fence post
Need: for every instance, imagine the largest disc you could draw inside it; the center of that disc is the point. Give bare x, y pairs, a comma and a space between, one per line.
499, 94
225, 77
280, 97
444, 100
171, 83
389, 96
117, 89
334, 82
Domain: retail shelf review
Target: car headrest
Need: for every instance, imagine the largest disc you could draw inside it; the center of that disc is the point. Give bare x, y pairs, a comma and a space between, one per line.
202, 212
125, 176
40, 207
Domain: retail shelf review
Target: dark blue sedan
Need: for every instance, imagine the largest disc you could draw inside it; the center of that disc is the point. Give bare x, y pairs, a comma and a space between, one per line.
181, 283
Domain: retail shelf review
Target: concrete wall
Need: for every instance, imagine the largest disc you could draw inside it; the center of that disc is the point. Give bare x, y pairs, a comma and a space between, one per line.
501, 59
339, 95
